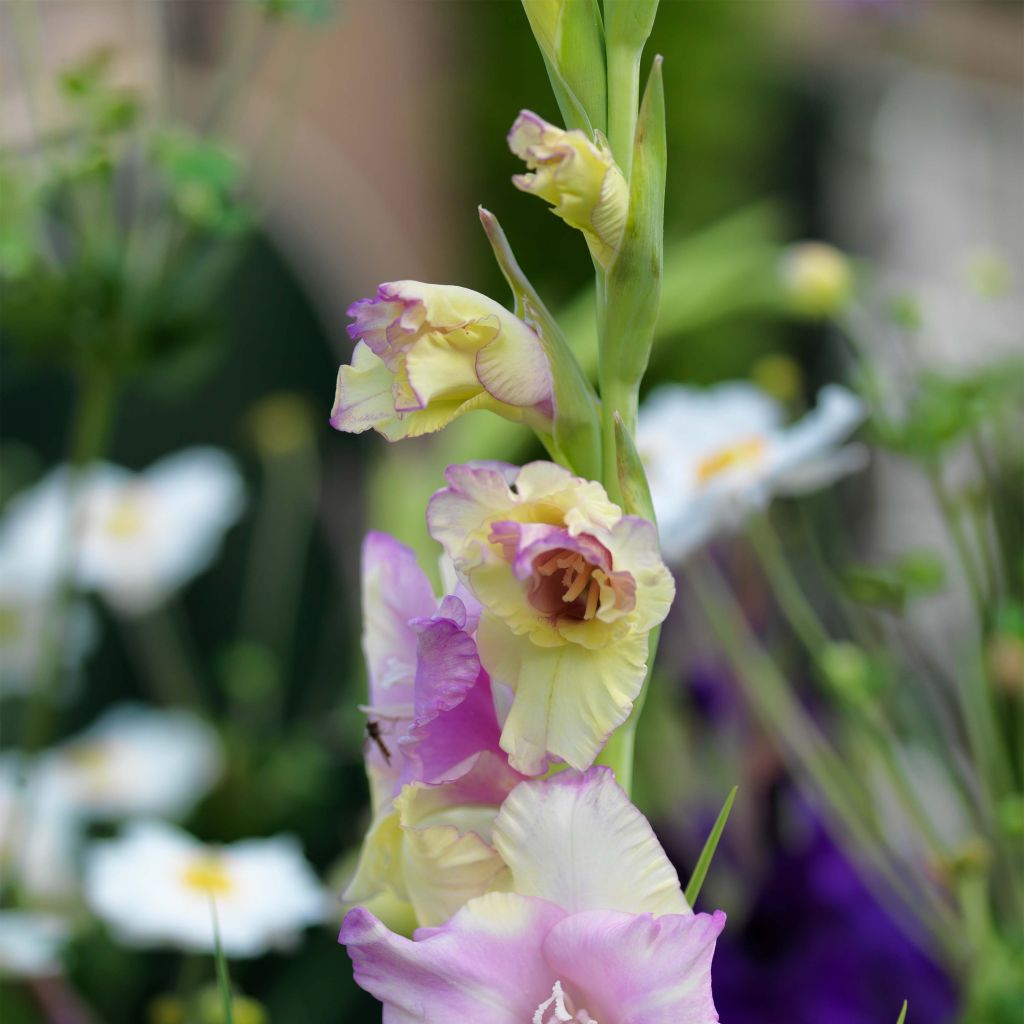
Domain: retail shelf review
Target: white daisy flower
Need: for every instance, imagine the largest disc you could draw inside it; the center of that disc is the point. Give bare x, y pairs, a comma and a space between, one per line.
157, 885
31, 943
38, 833
136, 760
713, 456
138, 537
28, 589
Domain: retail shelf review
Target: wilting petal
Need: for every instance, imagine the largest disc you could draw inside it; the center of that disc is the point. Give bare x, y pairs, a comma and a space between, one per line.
577, 840
638, 970
484, 965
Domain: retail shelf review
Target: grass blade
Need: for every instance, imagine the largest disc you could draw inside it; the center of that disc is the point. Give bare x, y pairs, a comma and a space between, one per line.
903, 1013
223, 978
704, 861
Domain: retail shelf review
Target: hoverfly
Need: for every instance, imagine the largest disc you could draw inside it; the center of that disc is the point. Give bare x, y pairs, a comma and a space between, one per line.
374, 735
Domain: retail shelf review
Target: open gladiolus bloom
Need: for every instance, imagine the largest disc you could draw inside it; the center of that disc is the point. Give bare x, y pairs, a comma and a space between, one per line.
569, 589
595, 928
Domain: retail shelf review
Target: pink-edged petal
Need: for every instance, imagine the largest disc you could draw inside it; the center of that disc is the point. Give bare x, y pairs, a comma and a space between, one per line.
568, 698
485, 964
634, 542
513, 367
476, 493
363, 393
628, 969
576, 839
395, 592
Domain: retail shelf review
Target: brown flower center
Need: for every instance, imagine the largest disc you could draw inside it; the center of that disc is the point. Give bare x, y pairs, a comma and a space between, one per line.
564, 583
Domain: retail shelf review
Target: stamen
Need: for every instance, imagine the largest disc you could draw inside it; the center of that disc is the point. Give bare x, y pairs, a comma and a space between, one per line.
593, 596
578, 585
550, 565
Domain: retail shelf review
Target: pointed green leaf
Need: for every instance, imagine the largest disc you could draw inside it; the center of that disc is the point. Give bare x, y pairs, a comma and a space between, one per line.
633, 286
903, 1013
636, 495
577, 418
704, 861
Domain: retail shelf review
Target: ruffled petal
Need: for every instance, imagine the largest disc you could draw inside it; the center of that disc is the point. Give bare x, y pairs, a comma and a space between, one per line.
568, 698
577, 840
485, 964
637, 970
363, 393
395, 591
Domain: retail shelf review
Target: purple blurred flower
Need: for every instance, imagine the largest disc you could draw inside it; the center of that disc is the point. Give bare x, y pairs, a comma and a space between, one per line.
818, 948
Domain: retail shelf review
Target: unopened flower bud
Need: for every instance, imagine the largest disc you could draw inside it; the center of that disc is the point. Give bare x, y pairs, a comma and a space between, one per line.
816, 278
428, 353
577, 176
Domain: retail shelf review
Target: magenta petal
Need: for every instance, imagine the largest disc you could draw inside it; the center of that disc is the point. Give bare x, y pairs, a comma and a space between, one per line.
637, 969
485, 964
395, 591
454, 712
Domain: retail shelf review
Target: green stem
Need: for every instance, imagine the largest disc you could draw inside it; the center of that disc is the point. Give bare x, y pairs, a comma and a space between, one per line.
88, 438
619, 752
163, 659
961, 543
820, 767
812, 634
792, 600
614, 399
623, 103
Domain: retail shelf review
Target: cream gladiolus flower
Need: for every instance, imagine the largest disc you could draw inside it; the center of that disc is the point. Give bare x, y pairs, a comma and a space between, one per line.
437, 774
577, 176
156, 885
570, 588
427, 353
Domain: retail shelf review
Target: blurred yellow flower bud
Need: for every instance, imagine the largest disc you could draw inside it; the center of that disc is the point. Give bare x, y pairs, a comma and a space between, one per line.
577, 176
816, 278
779, 376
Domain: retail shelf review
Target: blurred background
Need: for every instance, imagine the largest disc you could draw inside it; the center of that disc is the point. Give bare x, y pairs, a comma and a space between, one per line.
217, 181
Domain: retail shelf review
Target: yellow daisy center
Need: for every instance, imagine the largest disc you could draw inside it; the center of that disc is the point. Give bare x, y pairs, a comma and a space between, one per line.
208, 874
743, 453
125, 519
91, 761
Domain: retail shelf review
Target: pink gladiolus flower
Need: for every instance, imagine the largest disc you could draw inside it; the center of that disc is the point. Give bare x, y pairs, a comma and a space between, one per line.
595, 930
437, 772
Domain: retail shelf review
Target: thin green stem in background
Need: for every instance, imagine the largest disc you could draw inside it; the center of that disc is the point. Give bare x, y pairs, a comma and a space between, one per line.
156, 638
961, 542
89, 434
820, 767
787, 590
